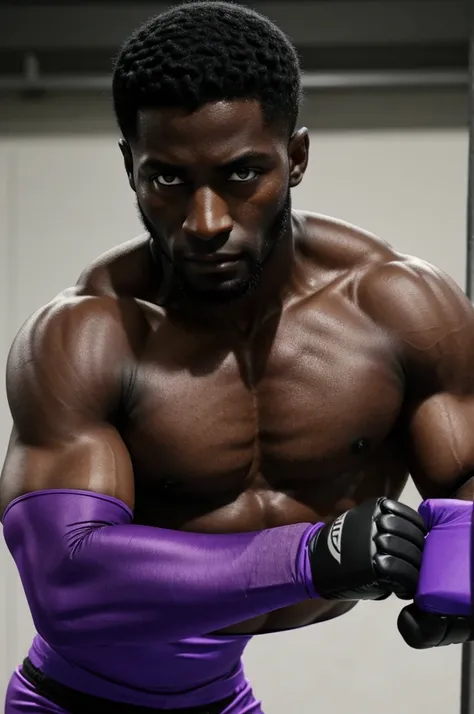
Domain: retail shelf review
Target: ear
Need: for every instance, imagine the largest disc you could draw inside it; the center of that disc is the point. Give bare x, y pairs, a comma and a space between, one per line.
128, 161
298, 152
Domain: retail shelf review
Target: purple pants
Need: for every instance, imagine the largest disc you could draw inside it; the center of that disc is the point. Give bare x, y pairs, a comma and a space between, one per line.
22, 698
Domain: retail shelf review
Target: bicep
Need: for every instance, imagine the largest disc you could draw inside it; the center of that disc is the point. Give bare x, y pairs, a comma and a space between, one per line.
440, 444
431, 325
95, 459
61, 397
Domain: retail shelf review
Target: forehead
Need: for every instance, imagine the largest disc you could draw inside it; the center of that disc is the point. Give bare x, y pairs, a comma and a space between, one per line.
212, 132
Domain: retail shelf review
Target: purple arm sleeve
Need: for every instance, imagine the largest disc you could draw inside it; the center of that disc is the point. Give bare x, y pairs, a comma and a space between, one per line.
93, 577
445, 584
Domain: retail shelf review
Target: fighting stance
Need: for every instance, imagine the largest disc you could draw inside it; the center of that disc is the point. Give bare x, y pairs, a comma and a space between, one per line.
211, 430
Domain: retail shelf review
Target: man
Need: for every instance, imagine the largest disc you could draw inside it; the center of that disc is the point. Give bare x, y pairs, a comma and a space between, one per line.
212, 428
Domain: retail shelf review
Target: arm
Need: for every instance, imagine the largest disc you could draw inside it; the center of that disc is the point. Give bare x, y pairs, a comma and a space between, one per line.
432, 325
90, 575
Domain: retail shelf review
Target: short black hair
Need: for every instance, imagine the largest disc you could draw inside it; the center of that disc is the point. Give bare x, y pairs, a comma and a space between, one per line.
207, 51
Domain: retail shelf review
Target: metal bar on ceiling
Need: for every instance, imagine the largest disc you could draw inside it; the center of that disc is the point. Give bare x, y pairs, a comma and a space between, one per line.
34, 82
385, 79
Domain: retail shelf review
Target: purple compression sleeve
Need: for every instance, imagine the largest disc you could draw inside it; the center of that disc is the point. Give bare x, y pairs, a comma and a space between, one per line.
92, 577
445, 583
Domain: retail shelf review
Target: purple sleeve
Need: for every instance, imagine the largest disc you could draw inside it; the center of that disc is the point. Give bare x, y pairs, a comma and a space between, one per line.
93, 577
445, 584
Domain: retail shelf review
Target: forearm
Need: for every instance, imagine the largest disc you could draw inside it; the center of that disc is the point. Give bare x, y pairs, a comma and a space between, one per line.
92, 577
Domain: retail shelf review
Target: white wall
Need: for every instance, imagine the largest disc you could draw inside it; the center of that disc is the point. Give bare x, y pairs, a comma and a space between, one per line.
395, 164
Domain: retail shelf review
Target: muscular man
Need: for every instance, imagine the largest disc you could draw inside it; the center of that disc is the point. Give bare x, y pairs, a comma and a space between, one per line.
211, 429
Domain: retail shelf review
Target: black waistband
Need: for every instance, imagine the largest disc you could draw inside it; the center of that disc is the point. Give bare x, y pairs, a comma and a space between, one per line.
75, 702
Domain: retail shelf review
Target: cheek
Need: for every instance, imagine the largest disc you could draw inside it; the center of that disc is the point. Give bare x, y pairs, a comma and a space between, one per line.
274, 187
158, 210
270, 198
148, 197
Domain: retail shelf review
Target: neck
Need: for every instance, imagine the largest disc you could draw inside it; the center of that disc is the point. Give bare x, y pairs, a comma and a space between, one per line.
244, 314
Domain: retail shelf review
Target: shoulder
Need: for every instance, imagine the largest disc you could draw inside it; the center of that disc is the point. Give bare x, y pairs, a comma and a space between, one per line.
71, 319
400, 292
413, 297
429, 318
338, 245
75, 346
100, 313
425, 314
71, 363
126, 270
81, 347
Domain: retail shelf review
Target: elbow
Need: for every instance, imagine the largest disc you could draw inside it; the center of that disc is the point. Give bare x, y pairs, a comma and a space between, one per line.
54, 607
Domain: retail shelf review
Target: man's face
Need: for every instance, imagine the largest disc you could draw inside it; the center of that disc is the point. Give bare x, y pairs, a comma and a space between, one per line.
213, 190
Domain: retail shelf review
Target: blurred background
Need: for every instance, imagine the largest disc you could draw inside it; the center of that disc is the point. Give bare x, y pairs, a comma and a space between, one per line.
387, 108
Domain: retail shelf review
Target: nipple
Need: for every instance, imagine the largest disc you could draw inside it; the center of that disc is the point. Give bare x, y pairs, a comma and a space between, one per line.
360, 446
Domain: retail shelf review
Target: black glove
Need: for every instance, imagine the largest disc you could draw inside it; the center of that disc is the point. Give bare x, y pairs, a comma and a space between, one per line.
422, 630
369, 552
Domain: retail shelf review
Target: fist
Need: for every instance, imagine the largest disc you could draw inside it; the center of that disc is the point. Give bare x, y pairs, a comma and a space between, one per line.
369, 552
442, 611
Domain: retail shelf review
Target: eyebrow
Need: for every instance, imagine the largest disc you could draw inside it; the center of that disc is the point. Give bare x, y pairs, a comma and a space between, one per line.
243, 158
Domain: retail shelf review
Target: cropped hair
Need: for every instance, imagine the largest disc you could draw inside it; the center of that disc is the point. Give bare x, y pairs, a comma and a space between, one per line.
201, 52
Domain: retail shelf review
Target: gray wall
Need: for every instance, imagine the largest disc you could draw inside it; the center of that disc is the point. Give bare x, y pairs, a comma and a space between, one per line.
395, 164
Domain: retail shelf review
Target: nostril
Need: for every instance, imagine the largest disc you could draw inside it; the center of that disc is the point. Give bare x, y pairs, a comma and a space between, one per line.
207, 244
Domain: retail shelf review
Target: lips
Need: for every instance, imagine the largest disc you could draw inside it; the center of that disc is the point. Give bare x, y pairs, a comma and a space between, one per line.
216, 264
215, 258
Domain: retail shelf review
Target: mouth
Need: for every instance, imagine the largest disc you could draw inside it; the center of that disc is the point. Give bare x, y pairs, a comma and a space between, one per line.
214, 259
216, 263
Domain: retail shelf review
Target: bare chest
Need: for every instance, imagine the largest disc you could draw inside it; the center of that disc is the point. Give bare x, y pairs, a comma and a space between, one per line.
309, 397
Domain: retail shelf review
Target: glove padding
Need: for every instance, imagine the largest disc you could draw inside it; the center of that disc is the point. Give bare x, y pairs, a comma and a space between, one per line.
442, 613
422, 630
369, 552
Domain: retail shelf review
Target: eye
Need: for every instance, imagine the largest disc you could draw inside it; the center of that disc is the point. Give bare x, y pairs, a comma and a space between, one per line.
243, 175
166, 180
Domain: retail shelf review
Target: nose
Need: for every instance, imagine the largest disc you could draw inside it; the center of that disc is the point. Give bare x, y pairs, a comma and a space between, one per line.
208, 215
